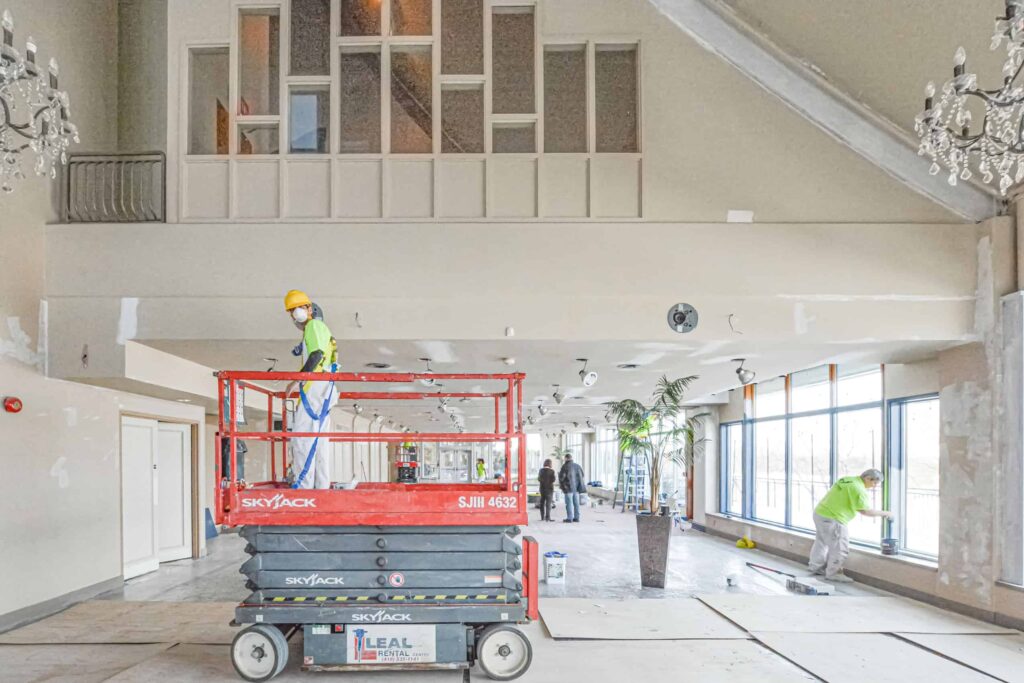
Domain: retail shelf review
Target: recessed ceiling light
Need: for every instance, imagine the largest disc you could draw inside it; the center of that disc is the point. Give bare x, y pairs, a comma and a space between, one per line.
379, 366
183, 400
627, 366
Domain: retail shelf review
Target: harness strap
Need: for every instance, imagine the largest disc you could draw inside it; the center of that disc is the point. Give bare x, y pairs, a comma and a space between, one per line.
325, 409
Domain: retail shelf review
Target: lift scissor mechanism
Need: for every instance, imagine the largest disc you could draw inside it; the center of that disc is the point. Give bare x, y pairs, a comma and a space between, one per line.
385, 575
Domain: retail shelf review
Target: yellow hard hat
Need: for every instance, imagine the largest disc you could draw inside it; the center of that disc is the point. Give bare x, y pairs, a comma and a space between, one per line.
295, 298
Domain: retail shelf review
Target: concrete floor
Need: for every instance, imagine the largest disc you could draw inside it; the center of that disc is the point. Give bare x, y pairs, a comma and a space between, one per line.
602, 564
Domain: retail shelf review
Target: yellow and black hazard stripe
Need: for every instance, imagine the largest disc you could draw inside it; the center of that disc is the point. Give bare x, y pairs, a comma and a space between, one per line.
478, 597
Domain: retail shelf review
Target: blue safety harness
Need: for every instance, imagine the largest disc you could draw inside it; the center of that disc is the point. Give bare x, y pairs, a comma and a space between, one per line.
319, 418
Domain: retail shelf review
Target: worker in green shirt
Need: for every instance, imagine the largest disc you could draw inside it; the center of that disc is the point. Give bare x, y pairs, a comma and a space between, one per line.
309, 459
847, 497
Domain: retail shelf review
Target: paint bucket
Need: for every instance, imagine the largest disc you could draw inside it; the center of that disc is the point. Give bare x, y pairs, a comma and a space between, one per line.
890, 546
554, 566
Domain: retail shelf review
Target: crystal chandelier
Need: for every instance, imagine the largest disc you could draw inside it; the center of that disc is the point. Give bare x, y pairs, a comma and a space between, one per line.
33, 112
945, 127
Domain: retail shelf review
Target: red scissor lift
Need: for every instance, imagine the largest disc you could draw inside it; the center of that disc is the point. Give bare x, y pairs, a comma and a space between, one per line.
386, 575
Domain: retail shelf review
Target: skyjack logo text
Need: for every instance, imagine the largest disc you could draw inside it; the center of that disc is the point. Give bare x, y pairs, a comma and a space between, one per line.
278, 501
380, 617
314, 580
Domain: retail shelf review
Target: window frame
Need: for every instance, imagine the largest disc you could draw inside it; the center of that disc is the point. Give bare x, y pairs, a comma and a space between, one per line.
748, 423
895, 472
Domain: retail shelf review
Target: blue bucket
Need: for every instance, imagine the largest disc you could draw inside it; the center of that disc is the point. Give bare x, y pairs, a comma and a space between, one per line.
890, 546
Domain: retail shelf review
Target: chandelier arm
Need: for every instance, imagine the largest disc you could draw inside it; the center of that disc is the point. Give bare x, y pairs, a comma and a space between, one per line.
20, 128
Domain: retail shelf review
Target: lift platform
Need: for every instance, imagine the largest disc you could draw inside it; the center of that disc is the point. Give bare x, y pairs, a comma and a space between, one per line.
388, 575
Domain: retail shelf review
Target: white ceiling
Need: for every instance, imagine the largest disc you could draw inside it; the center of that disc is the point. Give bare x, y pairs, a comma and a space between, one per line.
546, 363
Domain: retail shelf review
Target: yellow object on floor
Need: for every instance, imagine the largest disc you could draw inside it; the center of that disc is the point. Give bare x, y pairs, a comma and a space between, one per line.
745, 542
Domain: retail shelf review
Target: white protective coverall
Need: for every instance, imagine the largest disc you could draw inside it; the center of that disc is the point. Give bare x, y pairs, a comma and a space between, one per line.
310, 456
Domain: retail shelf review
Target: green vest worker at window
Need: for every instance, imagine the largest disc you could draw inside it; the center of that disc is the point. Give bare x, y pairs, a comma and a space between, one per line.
847, 498
481, 469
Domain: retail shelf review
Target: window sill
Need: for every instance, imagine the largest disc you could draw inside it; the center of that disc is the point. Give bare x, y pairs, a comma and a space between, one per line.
854, 547
1011, 586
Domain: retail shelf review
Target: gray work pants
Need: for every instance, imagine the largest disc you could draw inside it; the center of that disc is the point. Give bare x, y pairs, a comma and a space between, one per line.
831, 546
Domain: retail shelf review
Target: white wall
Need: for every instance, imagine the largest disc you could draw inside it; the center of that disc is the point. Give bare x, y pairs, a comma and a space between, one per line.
60, 500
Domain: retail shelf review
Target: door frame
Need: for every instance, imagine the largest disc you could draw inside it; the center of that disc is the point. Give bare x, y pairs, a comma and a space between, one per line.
125, 421
185, 498
198, 526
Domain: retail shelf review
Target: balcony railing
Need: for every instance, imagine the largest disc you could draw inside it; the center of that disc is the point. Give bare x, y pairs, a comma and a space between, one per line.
115, 188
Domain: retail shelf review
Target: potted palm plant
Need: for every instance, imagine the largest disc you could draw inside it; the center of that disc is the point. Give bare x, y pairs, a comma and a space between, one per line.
658, 434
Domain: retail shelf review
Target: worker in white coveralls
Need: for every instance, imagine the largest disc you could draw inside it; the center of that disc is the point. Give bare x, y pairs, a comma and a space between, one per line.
847, 498
309, 455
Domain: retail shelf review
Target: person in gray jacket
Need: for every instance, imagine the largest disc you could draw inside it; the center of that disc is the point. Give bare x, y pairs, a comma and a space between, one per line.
570, 480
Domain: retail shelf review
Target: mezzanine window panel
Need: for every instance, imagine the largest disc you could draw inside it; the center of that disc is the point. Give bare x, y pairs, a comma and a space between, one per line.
412, 118
360, 17
359, 126
411, 17
259, 72
310, 52
617, 98
565, 98
208, 100
462, 37
512, 45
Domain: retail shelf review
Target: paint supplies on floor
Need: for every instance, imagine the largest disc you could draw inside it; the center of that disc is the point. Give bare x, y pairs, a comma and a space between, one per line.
554, 566
803, 585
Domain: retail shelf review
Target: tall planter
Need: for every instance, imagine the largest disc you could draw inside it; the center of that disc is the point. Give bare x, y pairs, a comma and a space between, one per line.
652, 535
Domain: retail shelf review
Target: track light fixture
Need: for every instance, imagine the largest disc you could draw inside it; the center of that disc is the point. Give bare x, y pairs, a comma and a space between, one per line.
575, 425
558, 396
588, 378
427, 381
745, 376
357, 408
542, 409
590, 425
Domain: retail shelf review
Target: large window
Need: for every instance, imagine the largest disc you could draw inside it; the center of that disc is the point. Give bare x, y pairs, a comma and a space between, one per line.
770, 471
606, 456
915, 473
732, 468
810, 441
804, 431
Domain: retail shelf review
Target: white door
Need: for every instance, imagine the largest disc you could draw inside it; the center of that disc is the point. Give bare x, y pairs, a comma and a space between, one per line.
174, 491
139, 549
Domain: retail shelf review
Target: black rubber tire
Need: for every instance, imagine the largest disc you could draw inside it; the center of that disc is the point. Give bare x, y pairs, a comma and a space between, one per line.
496, 630
277, 648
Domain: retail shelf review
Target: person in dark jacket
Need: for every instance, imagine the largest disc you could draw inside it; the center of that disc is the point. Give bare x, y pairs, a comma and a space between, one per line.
546, 477
570, 480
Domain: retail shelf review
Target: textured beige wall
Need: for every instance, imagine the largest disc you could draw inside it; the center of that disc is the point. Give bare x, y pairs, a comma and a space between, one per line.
142, 78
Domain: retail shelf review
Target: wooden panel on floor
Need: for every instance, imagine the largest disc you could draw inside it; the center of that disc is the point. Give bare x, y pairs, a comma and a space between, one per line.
79, 663
859, 657
1001, 656
114, 621
597, 619
841, 614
